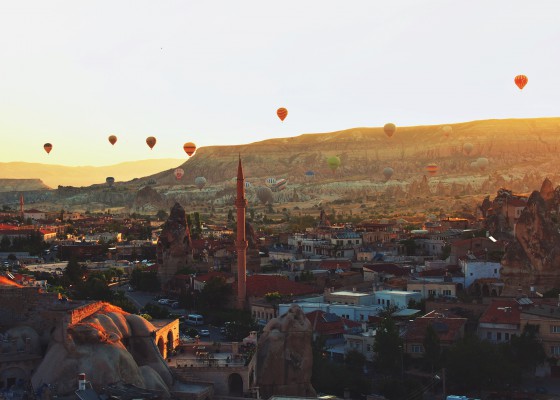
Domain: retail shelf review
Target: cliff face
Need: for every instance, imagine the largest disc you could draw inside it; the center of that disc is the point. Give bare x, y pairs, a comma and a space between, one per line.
533, 258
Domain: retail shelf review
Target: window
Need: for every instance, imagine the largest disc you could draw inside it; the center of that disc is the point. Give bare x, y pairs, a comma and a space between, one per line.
506, 336
431, 292
555, 350
555, 329
369, 347
415, 348
495, 270
489, 335
446, 292
499, 336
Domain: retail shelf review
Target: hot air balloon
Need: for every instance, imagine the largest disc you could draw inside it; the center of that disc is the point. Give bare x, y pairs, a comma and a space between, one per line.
282, 113
467, 148
432, 169
388, 173
474, 165
482, 163
189, 148
521, 81
270, 182
389, 129
247, 184
179, 172
333, 162
279, 185
112, 139
47, 147
309, 174
110, 180
200, 182
264, 194
151, 141
447, 130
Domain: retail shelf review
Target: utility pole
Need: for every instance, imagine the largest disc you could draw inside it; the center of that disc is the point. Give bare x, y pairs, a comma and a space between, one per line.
443, 383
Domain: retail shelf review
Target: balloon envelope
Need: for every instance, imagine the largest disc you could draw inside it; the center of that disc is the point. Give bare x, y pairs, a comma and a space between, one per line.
309, 174
333, 163
112, 139
389, 129
270, 181
110, 180
282, 113
200, 182
189, 148
47, 147
151, 141
388, 172
521, 81
179, 172
467, 148
482, 163
432, 169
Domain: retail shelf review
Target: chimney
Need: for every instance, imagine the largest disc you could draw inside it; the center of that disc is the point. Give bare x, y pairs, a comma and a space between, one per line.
82, 381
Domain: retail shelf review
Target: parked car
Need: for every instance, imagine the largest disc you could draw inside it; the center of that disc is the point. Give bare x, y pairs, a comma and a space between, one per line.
204, 332
163, 301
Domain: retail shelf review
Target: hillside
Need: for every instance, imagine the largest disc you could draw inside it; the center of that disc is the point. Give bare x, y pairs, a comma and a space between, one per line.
55, 175
21, 185
520, 154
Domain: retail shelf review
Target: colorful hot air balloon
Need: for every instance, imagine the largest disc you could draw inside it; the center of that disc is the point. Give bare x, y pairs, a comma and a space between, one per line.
47, 147
279, 185
333, 163
151, 141
110, 180
112, 139
467, 148
179, 172
282, 113
247, 184
389, 129
388, 173
200, 182
264, 194
189, 148
432, 169
521, 81
270, 182
447, 130
309, 174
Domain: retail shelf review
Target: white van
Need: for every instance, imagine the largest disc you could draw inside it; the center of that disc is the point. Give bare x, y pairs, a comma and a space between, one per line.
194, 319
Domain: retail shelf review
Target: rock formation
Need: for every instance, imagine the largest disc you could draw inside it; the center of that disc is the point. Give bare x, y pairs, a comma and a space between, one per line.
533, 258
146, 199
109, 347
174, 247
284, 356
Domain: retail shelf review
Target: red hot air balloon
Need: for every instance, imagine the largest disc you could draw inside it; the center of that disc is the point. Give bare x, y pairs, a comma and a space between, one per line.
112, 139
282, 113
151, 141
432, 169
521, 81
189, 148
47, 147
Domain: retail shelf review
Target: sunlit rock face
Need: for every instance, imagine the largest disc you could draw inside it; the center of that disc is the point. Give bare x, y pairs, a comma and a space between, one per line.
284, 356
174, 247
533, 258
109, 347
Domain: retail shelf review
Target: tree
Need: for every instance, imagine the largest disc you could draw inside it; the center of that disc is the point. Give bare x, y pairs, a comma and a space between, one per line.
432, 348
73, 273
527, 349
161, 215
215, 293
387, 345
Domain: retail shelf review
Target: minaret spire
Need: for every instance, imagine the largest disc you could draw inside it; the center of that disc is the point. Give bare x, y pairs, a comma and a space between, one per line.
241, 242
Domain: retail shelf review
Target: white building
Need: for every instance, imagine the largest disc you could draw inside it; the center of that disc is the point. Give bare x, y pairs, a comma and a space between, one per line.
474, 269
361, 342
348, 311
397, 298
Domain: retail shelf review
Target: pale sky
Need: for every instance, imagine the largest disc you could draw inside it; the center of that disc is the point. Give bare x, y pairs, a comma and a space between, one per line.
214, 72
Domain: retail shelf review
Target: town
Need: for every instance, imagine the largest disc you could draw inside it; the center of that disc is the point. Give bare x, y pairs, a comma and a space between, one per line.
425, 307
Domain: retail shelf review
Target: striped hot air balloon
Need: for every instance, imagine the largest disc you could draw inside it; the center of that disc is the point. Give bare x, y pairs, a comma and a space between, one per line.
189, 148
432, 169
521, 81
282, 113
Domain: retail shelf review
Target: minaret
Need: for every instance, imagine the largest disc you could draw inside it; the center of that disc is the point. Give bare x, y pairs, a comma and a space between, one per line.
21, 205
241, 242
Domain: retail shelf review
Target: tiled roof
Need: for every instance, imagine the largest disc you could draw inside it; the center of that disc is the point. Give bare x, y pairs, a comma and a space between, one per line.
259, 285
330, 324
387, 268
502, 312
448, 329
